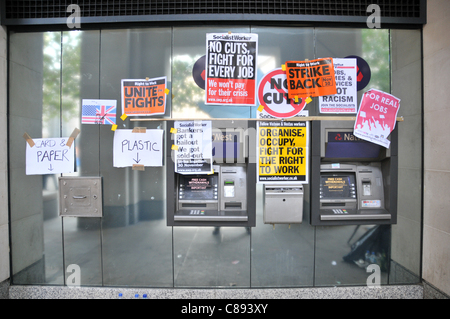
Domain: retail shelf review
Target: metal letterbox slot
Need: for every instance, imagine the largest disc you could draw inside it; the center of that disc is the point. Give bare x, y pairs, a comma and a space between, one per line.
80, 197
283, 204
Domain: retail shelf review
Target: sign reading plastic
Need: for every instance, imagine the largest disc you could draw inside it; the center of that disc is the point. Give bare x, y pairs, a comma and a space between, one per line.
231, 68
273, 96
283, 152
50, 156
345, 100
193, 147
310, 78
144, 97
138, 148
377, 117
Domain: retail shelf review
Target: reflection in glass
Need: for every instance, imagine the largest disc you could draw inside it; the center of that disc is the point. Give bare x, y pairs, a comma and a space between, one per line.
137, 244
211, 257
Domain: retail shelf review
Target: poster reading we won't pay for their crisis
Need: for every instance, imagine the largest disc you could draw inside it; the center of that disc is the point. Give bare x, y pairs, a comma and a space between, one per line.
231, 68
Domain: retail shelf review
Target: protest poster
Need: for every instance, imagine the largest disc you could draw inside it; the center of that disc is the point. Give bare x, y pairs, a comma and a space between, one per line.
98, 112
193, 147
138, 148
310, 78
145, 97
273, 96
283, 148
346, 98
50, 156
377, 117
231, 61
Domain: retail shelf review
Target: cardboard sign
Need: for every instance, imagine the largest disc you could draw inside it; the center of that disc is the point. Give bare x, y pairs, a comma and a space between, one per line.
231, 61
377, 117
50, 156
144, 97
273, 96
283, 150
310, 78
193, 147
144, 149
345, 100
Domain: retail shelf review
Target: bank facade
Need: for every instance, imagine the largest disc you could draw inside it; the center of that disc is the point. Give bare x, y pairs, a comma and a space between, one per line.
151, 232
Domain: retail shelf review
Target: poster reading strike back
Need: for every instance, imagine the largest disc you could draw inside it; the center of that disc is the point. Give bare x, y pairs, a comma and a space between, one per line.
283, 150
310, 78
377, 117
346, 98
231, 68
144, 97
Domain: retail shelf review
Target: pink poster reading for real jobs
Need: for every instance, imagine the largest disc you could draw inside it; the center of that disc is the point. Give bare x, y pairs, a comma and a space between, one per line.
377, 117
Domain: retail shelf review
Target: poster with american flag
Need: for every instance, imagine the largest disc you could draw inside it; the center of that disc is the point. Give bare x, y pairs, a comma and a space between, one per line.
99, 112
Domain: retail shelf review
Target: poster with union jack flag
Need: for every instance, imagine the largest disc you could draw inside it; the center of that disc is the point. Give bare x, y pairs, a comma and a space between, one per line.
99, 112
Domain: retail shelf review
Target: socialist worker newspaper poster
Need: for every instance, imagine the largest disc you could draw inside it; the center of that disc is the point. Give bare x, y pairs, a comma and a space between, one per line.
144, 97
231, 61
377, 117
346, 98
310, 78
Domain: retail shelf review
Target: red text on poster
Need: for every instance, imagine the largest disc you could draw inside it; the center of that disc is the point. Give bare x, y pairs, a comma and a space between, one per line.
231, 69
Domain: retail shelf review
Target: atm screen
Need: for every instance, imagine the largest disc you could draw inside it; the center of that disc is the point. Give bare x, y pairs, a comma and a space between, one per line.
338, 186
198, 187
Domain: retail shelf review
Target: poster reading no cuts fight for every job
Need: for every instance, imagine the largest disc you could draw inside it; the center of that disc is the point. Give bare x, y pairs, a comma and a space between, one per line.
231, 68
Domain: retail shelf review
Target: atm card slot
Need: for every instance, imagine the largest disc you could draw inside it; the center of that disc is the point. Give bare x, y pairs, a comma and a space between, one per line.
211, 218
233, 206
356, 217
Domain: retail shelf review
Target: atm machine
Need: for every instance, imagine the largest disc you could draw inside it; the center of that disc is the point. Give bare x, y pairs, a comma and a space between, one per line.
218, 199
353, 182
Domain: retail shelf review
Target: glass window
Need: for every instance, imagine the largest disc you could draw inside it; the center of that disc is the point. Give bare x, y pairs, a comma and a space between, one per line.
51, 72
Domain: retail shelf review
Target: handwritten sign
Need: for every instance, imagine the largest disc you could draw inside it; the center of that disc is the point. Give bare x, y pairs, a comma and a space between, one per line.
193, 145
50, 156
138, 148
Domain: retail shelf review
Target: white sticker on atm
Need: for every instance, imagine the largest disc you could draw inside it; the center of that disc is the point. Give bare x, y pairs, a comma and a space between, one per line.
371, 203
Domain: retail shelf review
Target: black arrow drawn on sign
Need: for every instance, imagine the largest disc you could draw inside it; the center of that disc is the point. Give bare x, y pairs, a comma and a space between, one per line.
138, 160
51, 168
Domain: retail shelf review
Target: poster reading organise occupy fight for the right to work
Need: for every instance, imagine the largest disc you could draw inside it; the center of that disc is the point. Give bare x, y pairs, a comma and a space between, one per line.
377, 117
283, 150
346, 98
310, 78
231, 61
